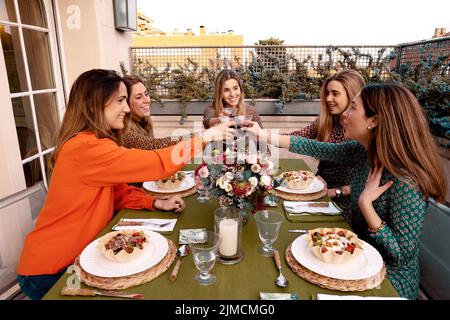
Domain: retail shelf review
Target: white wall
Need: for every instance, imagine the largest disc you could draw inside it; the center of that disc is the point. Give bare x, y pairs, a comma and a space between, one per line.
89, 38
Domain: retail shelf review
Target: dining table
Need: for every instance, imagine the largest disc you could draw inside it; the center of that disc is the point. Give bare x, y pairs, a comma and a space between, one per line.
245, 280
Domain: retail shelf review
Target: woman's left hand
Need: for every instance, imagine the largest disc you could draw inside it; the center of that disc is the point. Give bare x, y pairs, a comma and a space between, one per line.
372, 190
175, 203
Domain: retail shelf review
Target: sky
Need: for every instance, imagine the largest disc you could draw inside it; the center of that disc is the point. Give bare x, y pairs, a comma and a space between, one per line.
299, 22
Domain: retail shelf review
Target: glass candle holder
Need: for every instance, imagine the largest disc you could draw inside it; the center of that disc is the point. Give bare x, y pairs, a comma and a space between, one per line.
228, 225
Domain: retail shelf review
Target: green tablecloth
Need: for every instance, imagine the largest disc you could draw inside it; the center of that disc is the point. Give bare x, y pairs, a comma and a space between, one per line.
242, 281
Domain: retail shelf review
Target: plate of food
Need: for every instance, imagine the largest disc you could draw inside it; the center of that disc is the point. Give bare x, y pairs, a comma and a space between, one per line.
300, 182
175, 183
336, 253
123, 253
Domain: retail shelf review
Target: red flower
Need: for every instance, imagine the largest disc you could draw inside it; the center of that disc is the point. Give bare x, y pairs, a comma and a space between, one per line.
241, 189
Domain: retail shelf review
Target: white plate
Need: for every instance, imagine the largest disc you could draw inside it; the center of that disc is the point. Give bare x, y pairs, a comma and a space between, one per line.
315, 186
365, 265
188, 183
94, 262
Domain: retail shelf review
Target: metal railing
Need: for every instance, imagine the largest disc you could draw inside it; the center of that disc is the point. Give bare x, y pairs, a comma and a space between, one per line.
299, 62
414, 53
271, 56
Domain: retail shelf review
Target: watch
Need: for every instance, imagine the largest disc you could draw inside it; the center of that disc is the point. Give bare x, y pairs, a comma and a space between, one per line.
339, 192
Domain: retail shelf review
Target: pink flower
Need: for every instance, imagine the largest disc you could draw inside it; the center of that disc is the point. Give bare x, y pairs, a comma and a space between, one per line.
203, 172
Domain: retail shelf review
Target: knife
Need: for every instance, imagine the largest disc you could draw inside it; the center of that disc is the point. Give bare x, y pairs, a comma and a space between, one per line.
66, 291
141, 223
298, 230
309, 204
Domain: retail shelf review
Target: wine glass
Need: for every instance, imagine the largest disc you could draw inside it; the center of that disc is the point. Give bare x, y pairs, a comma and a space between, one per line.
231, 111
203, 193
268, 223
205, 254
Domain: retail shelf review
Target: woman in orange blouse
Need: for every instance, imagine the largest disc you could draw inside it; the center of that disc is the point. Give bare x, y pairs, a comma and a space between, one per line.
90, 175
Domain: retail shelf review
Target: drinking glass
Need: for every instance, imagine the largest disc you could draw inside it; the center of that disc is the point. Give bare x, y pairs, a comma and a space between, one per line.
231, 111
205, 254
268, 223
203, 195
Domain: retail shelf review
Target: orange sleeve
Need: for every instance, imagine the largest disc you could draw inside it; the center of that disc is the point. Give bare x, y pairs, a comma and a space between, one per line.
130, 197
103, 162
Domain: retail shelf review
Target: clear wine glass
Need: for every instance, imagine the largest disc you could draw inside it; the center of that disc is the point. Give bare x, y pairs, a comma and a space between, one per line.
205, 254
269, 223
203, 195
231, 111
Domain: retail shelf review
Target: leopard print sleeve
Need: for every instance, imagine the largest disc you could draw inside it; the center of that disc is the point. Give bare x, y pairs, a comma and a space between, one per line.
208, 114
138, 141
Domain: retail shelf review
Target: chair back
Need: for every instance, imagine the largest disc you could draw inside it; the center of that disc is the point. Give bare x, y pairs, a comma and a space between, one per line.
18, 213
434, 254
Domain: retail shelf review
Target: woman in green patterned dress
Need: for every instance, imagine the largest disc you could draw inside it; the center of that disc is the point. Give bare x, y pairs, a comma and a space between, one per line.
396, 171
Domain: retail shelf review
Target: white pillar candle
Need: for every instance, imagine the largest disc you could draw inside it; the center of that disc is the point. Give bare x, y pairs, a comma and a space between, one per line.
228, 237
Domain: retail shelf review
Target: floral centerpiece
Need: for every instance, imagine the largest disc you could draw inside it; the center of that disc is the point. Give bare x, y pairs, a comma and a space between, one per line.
236, 179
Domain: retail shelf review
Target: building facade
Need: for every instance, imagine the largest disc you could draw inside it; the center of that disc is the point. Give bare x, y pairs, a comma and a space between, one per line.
147, 36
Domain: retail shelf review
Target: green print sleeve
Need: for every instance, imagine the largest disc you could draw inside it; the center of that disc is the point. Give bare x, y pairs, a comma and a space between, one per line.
400, 237
351, 151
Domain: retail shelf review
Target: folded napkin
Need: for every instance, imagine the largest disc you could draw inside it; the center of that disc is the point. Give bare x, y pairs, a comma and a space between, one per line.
308, 207
322, 296
147, 225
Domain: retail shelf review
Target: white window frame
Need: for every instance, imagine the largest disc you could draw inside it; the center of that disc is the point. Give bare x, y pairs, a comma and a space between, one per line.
58, 88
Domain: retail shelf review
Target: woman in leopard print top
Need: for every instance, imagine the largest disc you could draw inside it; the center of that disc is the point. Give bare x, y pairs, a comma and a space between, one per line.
397, 170
336, 95
138, 132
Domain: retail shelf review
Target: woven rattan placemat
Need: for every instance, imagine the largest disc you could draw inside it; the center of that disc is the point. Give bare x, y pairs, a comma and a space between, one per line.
298, 197
121, 283
331, 283
182, 194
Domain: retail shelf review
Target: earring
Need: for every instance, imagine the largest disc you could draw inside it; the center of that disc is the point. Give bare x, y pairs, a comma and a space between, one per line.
369, 128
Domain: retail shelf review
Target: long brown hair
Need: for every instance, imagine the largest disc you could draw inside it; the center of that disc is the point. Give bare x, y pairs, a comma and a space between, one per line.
88, 97
132, 121
223, 76
402, 142
353, 83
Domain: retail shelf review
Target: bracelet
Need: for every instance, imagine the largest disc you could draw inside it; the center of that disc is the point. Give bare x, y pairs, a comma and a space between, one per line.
375, 230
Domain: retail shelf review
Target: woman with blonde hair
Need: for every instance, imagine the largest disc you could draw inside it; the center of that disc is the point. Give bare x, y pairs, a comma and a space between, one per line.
397, 170
336, 95
90, 175
228, 100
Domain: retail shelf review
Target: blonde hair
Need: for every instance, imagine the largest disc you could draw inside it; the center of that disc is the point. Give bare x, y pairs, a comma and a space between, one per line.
402, 142
353, 82
134, 123
222, 77
88, 97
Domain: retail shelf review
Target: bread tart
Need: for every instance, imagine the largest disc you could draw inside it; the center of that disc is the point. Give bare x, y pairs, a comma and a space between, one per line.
172, 182
298, 180
334, 245
123, 246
